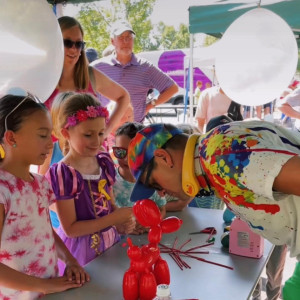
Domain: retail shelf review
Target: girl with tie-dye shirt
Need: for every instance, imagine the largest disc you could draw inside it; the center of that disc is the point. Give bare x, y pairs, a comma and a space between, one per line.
29, 247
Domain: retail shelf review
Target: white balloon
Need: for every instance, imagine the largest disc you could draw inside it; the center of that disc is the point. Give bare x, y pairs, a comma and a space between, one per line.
31, 52
258, 58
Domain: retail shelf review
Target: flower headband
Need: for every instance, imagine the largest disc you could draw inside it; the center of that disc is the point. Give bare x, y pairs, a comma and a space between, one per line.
90, 113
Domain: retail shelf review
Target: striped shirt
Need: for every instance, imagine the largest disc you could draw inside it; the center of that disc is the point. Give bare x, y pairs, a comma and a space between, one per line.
138, 77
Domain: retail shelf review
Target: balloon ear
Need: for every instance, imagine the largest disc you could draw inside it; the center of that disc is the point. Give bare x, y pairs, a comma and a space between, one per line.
147, 212
32, 55
170, 224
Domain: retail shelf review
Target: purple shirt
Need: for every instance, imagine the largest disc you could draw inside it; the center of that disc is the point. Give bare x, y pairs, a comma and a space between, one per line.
138, 76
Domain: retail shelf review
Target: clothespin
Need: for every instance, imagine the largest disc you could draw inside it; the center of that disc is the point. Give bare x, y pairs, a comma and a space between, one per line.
210, 230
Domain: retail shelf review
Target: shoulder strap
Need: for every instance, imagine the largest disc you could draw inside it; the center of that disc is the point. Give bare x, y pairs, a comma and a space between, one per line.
92, 79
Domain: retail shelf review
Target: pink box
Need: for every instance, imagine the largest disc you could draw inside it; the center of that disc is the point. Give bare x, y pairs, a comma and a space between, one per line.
243, 241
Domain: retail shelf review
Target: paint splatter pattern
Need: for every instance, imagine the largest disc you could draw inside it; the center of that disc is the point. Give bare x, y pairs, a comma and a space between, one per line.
242, 163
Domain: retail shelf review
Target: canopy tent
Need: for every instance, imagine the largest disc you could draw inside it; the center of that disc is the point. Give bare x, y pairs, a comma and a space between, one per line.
215, 18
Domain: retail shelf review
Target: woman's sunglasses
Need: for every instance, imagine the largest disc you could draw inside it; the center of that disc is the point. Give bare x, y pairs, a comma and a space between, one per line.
119, 152
78, 45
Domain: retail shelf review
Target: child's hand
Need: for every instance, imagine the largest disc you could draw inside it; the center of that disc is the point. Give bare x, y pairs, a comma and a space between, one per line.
57, 284
128, 227
74, 271
139, 229
123, 215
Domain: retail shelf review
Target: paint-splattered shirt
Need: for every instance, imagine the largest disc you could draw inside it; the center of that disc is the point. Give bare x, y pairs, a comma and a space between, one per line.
242, 160
27, 241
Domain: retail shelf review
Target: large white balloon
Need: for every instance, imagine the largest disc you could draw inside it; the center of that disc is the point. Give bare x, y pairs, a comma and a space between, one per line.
31, 51
258, 58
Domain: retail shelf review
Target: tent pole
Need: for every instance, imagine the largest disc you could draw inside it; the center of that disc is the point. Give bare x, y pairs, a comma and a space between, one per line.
191, 79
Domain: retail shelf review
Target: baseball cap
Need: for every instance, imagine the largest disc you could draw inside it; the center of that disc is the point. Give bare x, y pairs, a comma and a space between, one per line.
120, 27
141, 151
91, 54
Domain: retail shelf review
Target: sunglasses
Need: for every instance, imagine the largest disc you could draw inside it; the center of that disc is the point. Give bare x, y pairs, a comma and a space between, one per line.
120, 152
78, 45
30, 97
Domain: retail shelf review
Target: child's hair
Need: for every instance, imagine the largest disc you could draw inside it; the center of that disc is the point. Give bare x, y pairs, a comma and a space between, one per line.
69, 107
55, 108
15, 118
81, 74
129, 129
188, 128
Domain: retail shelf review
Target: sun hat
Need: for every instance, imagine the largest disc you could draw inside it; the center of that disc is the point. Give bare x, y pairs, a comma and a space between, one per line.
141, 150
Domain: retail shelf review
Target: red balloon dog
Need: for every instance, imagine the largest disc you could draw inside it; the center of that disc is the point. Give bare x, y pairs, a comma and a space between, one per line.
147, 268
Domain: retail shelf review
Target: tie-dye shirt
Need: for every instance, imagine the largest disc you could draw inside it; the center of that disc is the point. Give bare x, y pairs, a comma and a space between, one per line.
27, 241
242, 160
122, 191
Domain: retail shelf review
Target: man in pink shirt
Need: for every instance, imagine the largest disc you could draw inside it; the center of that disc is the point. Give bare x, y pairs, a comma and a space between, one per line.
212, 103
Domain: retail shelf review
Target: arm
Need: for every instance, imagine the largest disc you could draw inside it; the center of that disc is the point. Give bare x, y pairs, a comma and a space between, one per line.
164, 96
177, 205
73, 228
112, 90
201, 123
128, 226
289, 111
201, 111
72, 266
288, 179
14, 279
163, 211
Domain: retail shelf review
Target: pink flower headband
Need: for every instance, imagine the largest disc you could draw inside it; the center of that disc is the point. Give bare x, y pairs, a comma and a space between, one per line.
90, 113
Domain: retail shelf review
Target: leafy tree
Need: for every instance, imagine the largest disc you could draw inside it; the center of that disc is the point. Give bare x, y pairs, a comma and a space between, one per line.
95, 28
209, 40
168, 38
96, 22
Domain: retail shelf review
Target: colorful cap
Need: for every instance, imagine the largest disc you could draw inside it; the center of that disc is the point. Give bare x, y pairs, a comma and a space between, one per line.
141, 151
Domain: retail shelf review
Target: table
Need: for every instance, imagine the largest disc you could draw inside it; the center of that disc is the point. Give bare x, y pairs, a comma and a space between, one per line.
203, 281
170, 110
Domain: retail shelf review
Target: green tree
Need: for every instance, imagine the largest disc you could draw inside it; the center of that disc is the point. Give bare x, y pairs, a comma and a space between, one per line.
96, 22
209, 40
95, 28
168, 38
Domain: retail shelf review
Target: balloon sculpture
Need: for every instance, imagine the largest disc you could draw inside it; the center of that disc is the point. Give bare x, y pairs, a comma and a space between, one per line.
147, 268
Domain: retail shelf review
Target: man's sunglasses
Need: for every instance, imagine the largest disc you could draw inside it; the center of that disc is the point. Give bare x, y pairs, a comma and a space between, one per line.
78, 45
119, 152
